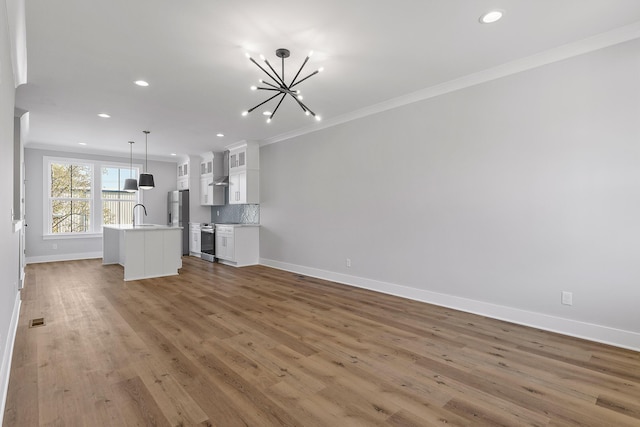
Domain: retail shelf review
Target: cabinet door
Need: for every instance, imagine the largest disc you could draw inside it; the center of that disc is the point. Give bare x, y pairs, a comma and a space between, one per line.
194, 242
221, 249
237, 159
238, 188
203, 191
230, 251
234, 189
242, 186
206, 191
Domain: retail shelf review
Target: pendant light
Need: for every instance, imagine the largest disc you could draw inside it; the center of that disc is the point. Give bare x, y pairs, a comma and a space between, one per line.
146, 179
130, 184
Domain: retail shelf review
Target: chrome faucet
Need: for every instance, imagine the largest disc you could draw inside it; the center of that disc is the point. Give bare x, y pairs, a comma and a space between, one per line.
134, 212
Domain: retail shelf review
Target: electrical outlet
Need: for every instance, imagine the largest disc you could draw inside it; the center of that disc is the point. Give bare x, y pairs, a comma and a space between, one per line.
567, 298
54, 246
349, 262
218, 213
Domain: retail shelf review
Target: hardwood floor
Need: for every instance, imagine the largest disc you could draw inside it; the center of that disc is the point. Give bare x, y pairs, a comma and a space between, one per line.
219, 346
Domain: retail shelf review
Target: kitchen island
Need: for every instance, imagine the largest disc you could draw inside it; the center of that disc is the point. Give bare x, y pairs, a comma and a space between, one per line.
145, 251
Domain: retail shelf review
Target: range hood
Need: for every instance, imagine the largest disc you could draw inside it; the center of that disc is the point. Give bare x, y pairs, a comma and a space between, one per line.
221, 173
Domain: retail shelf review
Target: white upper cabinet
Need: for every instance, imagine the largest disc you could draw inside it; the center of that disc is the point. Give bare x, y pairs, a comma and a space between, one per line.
244, 156
210, 195
244, 173
183, 176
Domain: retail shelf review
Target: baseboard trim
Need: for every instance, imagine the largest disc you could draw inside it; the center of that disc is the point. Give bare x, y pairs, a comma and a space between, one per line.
589, 331
5, 369
62, 257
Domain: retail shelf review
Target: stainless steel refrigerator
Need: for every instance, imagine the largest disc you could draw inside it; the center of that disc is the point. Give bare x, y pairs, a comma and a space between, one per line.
178, 215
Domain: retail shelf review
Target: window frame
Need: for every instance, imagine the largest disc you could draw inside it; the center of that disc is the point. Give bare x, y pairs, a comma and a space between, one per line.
95, 224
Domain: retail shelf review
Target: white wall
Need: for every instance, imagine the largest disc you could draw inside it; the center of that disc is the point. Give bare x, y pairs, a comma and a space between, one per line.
9, 249
493, 199
38, 249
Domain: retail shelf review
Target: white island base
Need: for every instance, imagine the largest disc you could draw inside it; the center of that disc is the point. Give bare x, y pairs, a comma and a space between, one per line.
144, 251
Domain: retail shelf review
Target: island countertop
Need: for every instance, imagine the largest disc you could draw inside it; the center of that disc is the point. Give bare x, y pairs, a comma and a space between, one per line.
141, 227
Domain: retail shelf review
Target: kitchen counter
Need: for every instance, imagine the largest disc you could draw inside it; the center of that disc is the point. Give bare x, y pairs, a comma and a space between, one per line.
141, 227
145, 251
237, 245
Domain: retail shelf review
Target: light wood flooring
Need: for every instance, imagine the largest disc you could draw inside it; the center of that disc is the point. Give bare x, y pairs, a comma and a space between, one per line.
220, 346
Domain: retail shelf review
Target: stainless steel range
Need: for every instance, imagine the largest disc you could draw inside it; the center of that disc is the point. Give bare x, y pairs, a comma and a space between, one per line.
207, 242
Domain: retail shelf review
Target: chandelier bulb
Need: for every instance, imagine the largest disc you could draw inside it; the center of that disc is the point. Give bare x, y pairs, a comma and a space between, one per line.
318, 118
310, 54
262, 57
254, 88
300, 97
244, 113
269, 120
248, 55
321, 69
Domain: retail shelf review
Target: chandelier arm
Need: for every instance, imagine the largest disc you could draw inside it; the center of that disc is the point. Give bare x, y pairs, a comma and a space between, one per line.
271, 89
298, 73
302, 105
265, 71
263, 102
272, 85
298, 82
266, 61
277, 106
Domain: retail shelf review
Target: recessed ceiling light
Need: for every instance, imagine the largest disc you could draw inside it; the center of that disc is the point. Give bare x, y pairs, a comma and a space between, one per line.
491, 17
82, 143
104, 115
173, 154
220, 135
141, 83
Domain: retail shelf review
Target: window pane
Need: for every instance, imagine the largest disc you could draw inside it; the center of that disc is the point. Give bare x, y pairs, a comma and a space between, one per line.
117, 212
70, 181
70, 216
80, 181
117, 205
110, 177
60, 180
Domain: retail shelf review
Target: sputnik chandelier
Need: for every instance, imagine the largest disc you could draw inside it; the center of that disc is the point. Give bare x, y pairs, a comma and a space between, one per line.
279, 86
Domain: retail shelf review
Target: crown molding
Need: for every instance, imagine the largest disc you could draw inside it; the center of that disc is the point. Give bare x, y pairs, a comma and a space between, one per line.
569, 50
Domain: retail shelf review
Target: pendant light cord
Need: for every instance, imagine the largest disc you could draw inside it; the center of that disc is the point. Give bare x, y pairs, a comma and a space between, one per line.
131, 159
146, 160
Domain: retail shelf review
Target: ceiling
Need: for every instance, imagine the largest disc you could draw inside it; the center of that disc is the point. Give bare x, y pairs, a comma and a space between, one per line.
83, 57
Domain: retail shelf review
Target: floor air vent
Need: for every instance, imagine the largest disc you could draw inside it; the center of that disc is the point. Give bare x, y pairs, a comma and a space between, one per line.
34, 323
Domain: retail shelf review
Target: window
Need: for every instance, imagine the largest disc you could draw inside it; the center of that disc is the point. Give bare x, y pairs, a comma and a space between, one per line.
117, 204
82, 195
70, 197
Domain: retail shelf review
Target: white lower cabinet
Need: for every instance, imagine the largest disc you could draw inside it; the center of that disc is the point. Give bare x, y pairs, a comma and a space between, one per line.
194, 239
237, 245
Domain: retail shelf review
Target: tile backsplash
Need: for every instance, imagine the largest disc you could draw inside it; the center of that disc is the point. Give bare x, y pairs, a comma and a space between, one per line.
232, 214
